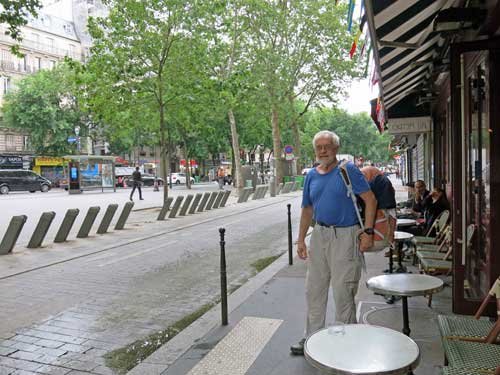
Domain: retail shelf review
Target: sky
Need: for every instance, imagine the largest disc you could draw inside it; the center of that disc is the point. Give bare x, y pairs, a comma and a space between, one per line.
359, 96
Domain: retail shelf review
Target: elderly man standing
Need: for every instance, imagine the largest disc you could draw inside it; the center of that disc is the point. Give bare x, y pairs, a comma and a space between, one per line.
333, 255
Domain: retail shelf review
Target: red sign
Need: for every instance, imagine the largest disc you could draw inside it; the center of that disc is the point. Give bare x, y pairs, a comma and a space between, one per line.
122, 161
192, 163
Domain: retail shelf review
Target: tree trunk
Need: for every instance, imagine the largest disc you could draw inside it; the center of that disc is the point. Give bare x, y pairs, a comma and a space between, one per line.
278, 160
297, 149
188, 166
236, 150
163, 148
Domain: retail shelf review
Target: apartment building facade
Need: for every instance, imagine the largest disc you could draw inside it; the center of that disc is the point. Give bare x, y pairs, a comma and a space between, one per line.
46, 41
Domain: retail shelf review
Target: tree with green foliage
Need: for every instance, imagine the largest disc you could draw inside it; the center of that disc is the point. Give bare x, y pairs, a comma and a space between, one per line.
358, 135
44, 105
301, 51
14, 13
140, 50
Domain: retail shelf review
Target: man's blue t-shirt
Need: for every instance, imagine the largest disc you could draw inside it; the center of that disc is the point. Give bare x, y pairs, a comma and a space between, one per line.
327, 194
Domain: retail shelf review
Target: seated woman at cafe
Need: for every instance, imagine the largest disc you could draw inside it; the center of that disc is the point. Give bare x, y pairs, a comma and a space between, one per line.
435, 203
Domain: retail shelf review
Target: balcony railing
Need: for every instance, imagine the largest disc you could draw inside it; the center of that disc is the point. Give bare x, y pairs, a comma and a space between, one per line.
41, 47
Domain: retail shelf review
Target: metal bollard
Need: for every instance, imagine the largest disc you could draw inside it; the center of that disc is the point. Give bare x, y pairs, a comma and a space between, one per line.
165, 208
106, 220
124, 216
186, 204
66, 225
176, 206
194, 205
12, 233
88, 222
218, 199
211, 201
223, 278
290, 255
201, 207
41, 229
227, 193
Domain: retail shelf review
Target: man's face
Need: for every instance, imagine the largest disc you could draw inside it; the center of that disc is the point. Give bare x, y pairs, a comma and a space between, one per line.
420, 187
325, 151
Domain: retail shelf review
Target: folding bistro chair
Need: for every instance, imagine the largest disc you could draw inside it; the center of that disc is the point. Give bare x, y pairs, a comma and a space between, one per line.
478, 355
434, 251
470, 328
469, 371
443, 265
438, 224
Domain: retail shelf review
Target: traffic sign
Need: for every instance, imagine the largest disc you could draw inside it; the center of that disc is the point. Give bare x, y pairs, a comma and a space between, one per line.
71, 139
288, 149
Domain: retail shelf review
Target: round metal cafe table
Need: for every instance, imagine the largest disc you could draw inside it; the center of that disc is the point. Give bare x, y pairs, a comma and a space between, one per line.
399, 238
362, 349
405, 285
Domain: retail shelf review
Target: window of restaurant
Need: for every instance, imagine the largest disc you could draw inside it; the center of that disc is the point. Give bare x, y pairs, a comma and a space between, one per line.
475, 128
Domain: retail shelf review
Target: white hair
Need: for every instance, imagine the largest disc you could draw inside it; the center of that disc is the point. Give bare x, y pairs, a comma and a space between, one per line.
327, 134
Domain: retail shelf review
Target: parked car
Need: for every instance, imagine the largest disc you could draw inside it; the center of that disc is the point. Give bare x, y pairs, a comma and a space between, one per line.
22, 180
147, 180
179, 178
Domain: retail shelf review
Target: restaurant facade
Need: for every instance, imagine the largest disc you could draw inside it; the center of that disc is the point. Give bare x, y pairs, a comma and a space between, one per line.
437, 65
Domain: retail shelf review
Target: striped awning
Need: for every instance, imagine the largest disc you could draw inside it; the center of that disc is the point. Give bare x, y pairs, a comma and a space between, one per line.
405, 45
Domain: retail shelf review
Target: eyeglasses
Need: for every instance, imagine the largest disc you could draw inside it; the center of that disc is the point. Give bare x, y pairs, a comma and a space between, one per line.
327, 147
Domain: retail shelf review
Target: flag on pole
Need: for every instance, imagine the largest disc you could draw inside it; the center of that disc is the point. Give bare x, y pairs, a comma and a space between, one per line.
350, 14
354, 44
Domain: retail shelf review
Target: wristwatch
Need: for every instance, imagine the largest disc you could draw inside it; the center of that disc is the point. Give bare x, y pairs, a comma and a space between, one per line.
369, 231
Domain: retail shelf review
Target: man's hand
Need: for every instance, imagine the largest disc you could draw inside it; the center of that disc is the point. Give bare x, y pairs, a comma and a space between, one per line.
365, 242
302, 250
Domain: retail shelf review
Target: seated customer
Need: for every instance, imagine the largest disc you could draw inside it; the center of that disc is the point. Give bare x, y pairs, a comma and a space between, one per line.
433, 205
421, 193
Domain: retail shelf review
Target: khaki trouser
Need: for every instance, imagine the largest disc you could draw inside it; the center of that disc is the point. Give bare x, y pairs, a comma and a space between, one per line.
332, 259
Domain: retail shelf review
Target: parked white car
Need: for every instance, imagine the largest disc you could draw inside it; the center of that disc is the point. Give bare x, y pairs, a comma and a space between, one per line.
179, 178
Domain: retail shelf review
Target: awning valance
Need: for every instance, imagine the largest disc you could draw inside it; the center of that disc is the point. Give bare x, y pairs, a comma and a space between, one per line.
405, 45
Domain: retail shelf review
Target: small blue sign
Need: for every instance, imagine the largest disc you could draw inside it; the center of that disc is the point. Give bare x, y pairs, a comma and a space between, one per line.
288, 149
71, 139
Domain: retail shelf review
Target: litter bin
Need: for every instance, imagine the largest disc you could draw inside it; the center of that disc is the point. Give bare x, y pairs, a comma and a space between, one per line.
196, 179
287, 179
248, 183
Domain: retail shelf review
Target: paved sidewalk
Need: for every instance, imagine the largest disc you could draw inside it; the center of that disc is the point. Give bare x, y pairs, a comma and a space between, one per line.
278, 295
281, 298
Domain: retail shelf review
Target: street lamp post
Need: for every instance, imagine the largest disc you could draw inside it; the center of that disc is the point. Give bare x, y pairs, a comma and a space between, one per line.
77, 133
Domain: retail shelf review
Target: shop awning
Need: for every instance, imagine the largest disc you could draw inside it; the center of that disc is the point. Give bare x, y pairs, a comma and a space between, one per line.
405, 45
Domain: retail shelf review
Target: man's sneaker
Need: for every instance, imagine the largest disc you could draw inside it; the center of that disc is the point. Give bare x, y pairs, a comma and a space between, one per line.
131, 199
141, 199
298, 349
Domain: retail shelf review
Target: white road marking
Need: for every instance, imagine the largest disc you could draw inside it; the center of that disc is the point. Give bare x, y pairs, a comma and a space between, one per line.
137, 254
239, 349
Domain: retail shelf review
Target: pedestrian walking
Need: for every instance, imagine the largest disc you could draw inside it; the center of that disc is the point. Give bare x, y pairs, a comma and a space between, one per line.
220, 177
334, 255
137, 182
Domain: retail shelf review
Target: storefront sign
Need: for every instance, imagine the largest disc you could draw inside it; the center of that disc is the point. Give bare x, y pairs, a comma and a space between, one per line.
409, 125
10, 161
48, 161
